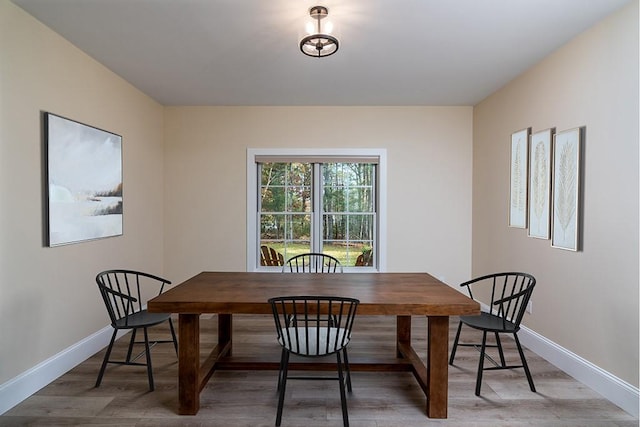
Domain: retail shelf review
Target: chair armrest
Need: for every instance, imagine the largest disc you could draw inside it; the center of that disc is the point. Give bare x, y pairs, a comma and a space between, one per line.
119, 294
468, 284
478, 279
163, 282
512, 297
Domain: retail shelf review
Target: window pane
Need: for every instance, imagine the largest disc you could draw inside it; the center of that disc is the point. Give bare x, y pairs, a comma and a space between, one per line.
348, 187
271, 228
350, 253
334, 227
285, 187
360, 227
334, 199
291, 227
349, 227
273, 199
298, 173
273, 174
298, 199
360, 200
298, 227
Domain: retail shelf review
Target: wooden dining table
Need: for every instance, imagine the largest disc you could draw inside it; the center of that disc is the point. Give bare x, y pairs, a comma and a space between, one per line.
385, 294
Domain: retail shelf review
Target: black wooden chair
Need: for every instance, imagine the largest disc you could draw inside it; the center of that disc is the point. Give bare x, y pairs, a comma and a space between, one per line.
312, 263
123, 293
314, 326
510, 294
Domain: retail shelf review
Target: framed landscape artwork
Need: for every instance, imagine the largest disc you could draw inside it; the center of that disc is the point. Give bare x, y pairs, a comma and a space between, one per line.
566, 189
84, 181
540, 184
518, 178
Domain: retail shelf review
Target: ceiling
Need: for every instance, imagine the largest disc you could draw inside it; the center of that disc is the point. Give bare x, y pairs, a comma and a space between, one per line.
392, 52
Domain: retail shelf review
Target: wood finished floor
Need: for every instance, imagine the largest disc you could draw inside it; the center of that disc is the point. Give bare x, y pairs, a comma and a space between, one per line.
248, 398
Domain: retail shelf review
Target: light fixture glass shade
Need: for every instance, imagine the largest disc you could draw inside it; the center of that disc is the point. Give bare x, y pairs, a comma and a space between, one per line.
319, 44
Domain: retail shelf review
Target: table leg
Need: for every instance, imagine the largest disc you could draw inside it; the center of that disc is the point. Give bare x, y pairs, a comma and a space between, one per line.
403, 332
225, 327
437, 367
189, 364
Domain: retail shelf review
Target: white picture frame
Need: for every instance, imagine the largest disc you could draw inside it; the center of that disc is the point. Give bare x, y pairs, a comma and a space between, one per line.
567, 147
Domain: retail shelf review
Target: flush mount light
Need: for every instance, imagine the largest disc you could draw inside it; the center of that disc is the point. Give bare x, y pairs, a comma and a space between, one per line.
319, 44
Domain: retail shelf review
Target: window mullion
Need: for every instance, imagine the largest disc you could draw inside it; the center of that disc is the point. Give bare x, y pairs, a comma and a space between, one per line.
316, 208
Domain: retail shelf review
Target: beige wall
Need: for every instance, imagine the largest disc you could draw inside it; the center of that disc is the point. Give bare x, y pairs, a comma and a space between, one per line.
429, 186
48, 296
586, 301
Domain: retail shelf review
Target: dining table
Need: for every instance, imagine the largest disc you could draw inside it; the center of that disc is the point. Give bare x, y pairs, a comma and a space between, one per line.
402, 295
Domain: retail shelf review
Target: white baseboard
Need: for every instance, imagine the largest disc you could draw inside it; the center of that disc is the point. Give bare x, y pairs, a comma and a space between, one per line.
609, 386
24, 385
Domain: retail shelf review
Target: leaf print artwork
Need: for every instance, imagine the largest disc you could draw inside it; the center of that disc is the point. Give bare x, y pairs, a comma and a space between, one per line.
566, 190
540, 184
517, 196
566, 185
518, 184
539, 181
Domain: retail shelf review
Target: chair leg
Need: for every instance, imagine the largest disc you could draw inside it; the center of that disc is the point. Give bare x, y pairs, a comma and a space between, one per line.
173, 335
524, 363
132, 341
481, 363
280, 371
500, 352
347, 370
455, 344
106, 358
343, 396
148, 354
284, 362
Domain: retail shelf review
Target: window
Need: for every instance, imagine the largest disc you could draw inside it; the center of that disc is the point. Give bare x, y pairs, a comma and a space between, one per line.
316, 201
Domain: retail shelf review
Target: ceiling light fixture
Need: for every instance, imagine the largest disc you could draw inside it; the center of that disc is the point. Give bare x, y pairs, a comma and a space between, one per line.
319, 44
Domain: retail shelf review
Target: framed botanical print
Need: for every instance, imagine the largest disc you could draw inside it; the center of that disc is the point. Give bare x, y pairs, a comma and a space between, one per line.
567, 147
540, 184
518, 178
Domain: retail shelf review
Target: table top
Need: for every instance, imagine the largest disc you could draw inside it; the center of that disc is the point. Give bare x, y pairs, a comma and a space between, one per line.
379, 293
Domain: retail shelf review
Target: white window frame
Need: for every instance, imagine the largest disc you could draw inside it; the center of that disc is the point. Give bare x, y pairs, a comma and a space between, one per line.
253, 194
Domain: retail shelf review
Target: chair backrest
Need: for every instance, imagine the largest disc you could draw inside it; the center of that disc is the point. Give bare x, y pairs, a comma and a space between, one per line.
313, 263
270, 257
125, 292
313, 325
510, 293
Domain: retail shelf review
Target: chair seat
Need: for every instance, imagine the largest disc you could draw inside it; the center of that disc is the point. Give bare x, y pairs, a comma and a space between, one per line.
141, 319
297, 342
489, 322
